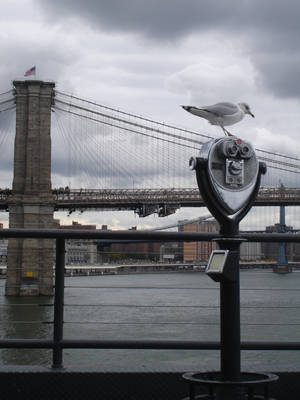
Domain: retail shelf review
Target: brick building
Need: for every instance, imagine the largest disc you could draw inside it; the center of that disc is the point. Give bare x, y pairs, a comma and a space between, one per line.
135, 251
199, 251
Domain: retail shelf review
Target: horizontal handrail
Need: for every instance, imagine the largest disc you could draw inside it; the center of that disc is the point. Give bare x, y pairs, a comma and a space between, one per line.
141, 344
142, 235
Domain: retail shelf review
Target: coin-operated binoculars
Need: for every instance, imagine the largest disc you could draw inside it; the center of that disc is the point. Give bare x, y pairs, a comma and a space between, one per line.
228, 175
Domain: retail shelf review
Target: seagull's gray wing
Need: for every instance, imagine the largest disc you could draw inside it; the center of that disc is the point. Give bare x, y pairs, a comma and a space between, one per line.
221, 109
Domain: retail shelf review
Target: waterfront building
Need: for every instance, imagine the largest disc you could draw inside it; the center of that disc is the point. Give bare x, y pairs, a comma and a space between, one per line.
135, 251
199, 251
170, 252
250, 251
3, 249
79, 251
270, 250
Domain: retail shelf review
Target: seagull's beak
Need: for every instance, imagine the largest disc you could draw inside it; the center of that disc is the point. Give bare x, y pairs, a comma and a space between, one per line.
252, 115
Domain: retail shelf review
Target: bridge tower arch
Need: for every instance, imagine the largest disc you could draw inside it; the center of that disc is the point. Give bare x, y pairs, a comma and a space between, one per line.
30, 261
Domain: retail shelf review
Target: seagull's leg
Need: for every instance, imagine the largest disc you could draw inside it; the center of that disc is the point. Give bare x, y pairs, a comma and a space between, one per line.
224, 130
227, 133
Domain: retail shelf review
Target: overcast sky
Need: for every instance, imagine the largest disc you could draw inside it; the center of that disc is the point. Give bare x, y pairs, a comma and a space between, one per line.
149, 57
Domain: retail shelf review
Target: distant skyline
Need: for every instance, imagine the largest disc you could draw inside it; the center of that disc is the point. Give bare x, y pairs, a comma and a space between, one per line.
151, 57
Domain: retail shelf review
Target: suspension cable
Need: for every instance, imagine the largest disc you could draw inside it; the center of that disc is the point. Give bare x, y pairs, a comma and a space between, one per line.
166, 133
131, 130
164, 124
8, 108
130, 123
7, 101
8, 91
136, 116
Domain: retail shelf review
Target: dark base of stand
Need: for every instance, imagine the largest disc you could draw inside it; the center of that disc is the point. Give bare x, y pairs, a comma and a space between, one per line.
218, 388
213, 397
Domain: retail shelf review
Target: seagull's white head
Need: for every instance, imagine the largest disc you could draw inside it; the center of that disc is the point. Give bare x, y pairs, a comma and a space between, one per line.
246, 109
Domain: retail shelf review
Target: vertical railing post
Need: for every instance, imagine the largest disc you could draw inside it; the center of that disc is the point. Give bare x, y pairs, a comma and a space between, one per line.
59, 303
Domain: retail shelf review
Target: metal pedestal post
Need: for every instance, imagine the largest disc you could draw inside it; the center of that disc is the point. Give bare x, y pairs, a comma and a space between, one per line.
230, 315
230, 383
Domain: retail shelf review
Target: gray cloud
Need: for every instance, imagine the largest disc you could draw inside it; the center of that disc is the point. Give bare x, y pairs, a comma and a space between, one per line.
280, 73
173, 18
168, 19
261, 28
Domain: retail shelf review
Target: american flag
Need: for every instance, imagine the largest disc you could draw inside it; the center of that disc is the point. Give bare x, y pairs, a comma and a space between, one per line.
31, 71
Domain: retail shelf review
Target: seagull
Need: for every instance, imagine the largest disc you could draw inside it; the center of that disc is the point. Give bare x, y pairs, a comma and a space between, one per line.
221, 114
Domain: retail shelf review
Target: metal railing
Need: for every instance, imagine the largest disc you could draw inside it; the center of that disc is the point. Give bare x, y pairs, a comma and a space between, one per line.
58, 343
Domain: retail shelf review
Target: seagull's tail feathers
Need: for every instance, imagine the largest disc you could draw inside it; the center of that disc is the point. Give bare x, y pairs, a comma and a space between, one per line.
200, 112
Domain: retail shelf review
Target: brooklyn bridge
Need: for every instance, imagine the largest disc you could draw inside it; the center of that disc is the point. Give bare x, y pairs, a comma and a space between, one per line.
75, 154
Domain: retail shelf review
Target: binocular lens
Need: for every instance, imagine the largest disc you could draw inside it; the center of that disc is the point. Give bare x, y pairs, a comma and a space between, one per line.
246, 152
233, 149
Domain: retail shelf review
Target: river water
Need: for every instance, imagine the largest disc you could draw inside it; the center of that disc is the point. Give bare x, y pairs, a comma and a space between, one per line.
173, 306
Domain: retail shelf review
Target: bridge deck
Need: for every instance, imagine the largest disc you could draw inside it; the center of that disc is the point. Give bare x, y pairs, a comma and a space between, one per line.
132, 199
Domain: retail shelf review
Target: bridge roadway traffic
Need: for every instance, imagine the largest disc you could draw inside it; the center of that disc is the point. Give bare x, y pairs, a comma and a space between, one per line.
147, 201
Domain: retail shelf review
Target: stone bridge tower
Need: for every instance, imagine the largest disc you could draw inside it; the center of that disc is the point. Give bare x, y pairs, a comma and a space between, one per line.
30, 261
